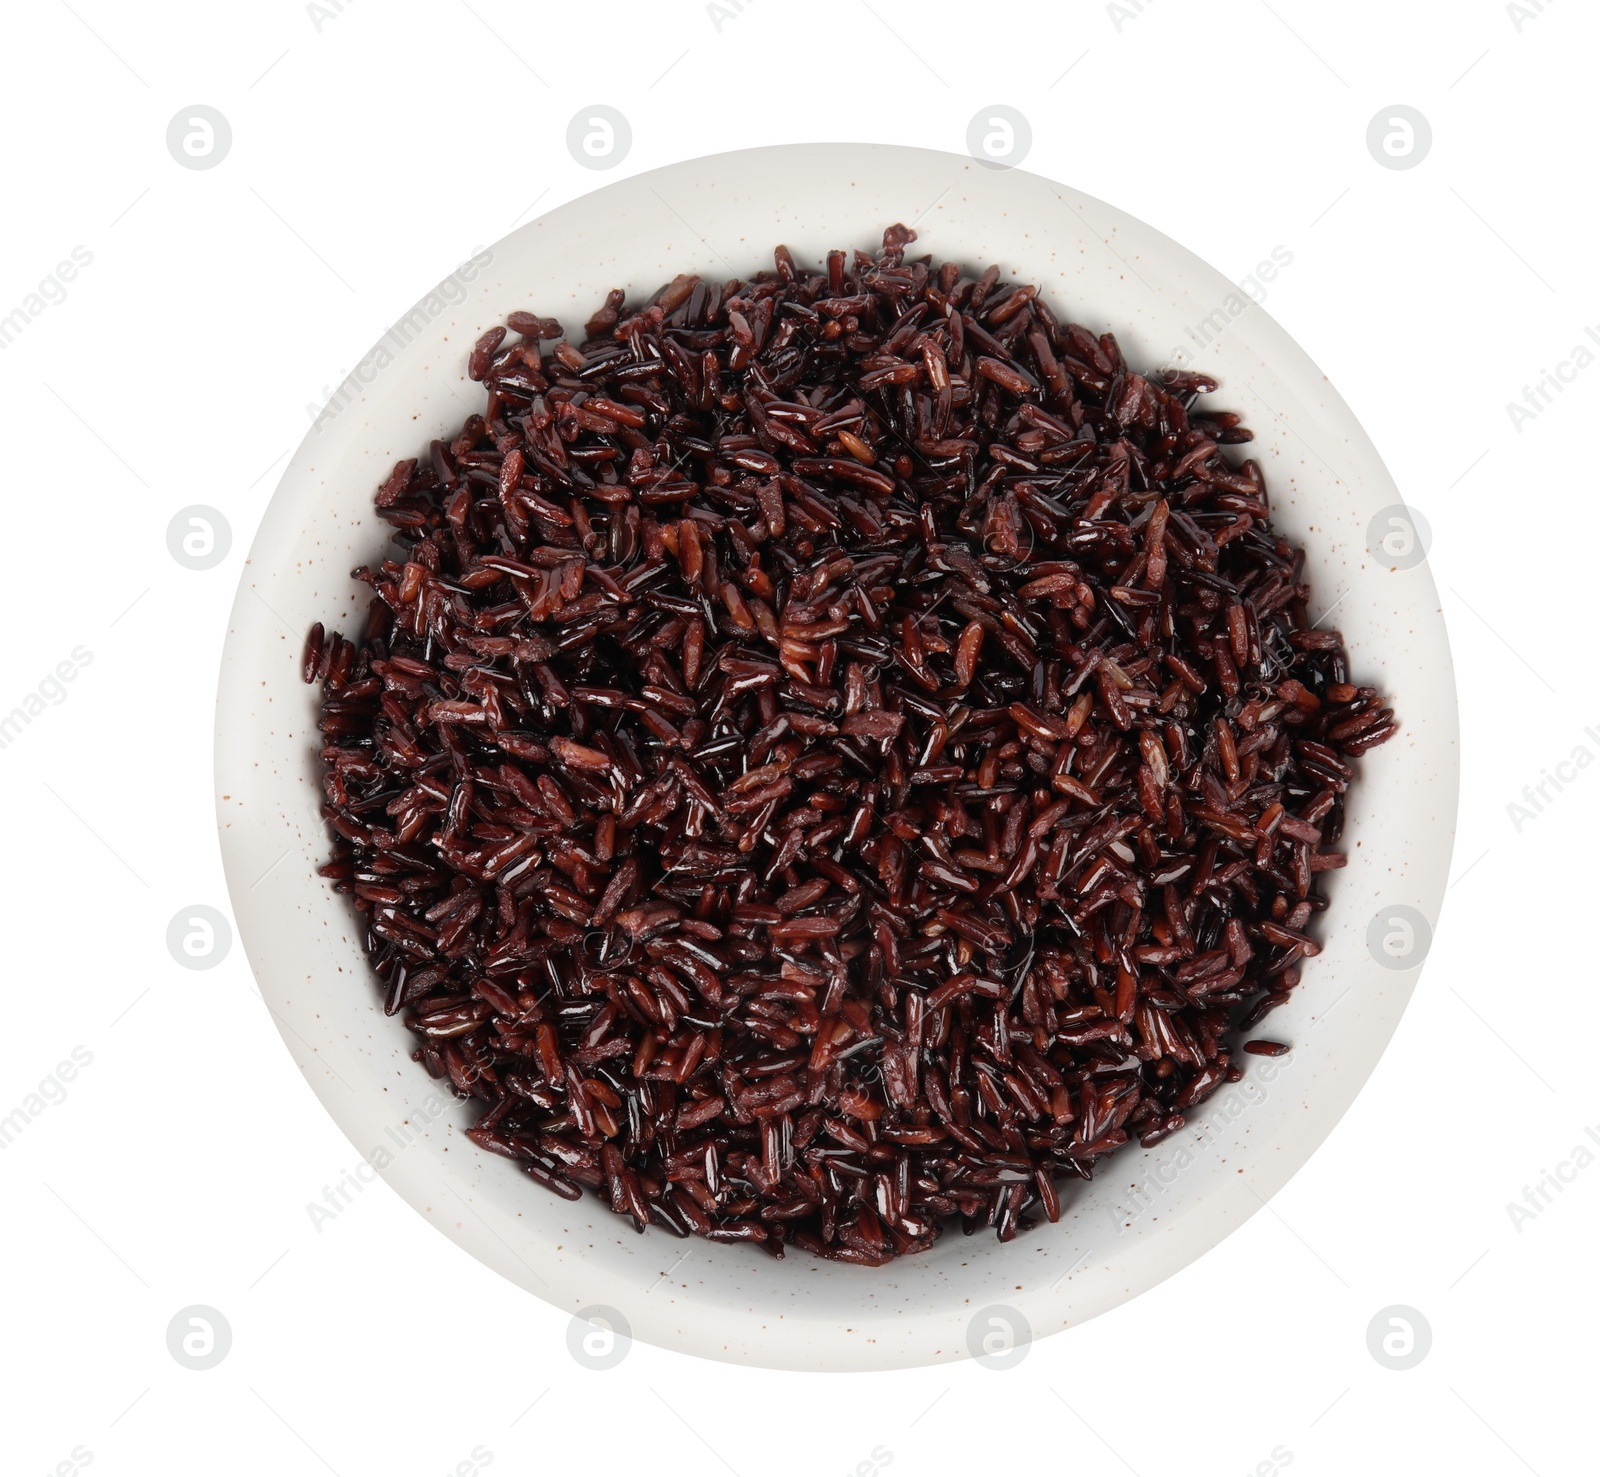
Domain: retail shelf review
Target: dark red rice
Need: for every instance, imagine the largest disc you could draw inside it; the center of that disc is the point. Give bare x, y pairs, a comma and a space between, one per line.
833, 753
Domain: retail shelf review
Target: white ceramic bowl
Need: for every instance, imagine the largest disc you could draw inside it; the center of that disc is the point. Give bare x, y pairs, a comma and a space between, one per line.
1148, 1212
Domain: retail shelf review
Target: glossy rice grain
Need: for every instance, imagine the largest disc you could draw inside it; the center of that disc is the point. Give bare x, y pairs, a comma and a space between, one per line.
832, 756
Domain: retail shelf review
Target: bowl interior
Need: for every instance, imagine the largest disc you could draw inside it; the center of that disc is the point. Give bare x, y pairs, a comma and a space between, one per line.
1148, 1212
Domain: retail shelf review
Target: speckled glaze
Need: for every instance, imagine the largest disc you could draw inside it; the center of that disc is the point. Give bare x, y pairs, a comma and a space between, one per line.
1148, 1213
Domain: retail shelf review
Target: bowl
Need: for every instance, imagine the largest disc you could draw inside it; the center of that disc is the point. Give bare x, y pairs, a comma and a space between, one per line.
1147, 1213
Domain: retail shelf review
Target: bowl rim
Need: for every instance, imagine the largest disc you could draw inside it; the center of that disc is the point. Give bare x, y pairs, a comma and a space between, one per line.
714, 1324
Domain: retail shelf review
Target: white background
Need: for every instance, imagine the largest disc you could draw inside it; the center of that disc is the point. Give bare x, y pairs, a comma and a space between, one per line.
372, 150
